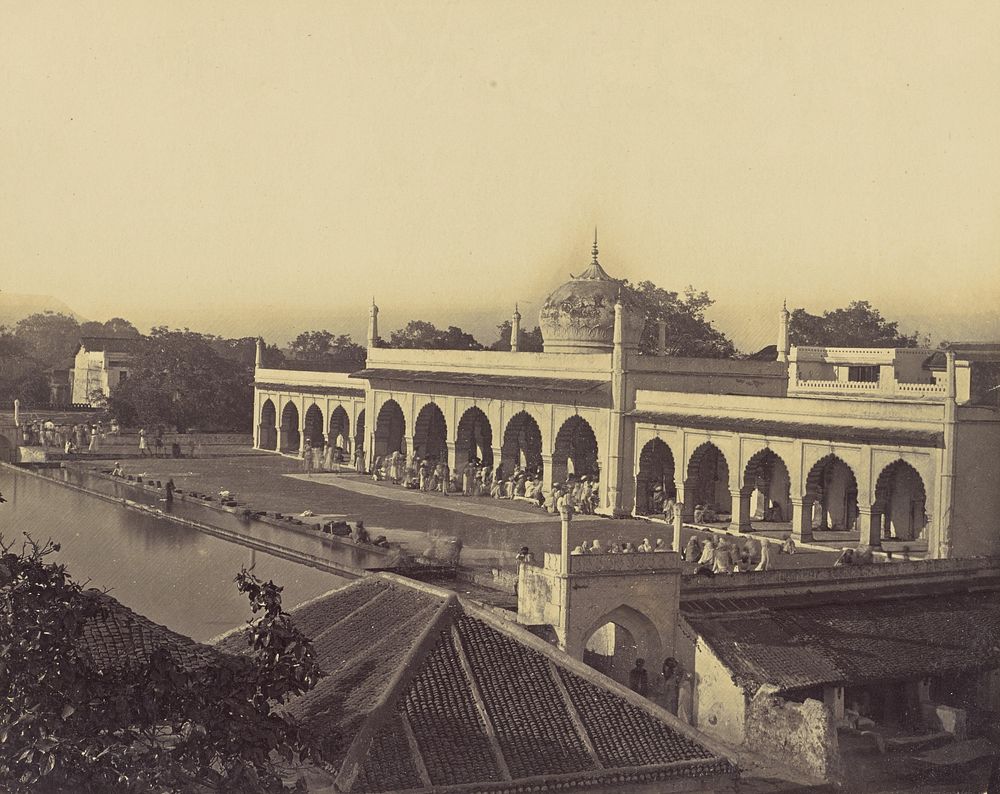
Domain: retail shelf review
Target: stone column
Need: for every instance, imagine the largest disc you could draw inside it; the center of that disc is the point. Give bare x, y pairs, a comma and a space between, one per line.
547, 475
498, 456
685, 505
801, 520
675, 543
566, 516
740, 520
871, 533
302, 433
452, 462
408, 444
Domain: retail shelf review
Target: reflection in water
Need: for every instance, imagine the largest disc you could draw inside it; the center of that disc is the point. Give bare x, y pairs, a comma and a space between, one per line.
170, 573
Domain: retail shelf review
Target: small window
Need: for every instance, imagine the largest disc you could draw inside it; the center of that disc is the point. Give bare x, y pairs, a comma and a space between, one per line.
122, 376
866, 374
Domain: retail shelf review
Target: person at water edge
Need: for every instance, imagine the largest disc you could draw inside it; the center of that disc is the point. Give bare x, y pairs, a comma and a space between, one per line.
169, 487
143, 449
158, 442
638, 678
117, 471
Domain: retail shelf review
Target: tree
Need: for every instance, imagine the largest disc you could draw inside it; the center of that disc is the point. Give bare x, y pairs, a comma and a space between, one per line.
115, 327
316, 345
20, 376
180, 380
424, 335
529, 341
155, 725
858, 325
689, 334
49, 337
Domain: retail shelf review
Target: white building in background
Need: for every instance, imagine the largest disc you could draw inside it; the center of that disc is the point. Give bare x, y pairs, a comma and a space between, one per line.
901, 443
100, 364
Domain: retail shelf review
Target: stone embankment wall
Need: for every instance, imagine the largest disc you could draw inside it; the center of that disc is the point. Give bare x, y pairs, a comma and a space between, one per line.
784, 730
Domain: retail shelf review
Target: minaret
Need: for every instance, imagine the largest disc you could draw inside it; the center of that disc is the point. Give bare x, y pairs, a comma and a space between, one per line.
259, 360
783, 346
515, 329
372, 324
616, 416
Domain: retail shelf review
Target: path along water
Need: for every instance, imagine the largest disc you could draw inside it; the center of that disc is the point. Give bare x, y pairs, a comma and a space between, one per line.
171, 573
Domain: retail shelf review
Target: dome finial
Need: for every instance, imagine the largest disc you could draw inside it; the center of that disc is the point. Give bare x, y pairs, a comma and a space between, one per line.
595, 246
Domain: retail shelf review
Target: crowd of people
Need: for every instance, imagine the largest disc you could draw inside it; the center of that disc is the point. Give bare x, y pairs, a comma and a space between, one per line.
479, 480
79, 437
627, 547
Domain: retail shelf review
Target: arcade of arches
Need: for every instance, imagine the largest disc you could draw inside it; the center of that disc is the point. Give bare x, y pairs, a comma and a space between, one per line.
474, 439
288, 433
575, 450
268, 426
430, 434
522, 443
829, 500
390, 430
314, 426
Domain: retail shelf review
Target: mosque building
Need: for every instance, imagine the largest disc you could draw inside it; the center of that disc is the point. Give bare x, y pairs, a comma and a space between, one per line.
901, 443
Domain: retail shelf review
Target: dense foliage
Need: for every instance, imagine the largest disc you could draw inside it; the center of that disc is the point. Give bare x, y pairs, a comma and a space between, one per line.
425, 335
689, 334
324, 345
181, 380
156, 726
527, 341
858, 325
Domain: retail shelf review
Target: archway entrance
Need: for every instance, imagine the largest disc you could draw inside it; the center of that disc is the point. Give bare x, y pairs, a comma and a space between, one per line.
899, 511
390, 429
522, 444
340, 432
289, 433
430, 434
267, 437
359, 438
575, 450
618, 639
768, 485
474, 440
654, 483
707, 482
832, 495
313, 426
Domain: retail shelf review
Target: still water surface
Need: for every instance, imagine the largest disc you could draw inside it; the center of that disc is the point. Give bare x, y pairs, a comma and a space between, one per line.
171, 573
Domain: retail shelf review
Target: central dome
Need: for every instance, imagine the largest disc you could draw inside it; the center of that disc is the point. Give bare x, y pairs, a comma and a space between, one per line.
579, 316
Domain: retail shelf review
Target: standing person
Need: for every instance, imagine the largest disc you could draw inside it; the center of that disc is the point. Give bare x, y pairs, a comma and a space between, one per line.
170, 491
328, 456
359, 459
638, 678
671, 683
765, 555
307, 457
158, 442
143, 449
93, 439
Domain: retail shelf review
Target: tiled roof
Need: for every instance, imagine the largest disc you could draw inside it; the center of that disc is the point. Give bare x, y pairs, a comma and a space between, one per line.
426, 690
856, 643
817, 432
118, 636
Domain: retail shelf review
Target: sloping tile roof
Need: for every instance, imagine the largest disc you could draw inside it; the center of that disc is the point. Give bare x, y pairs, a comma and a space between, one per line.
118, 636
818, 432
427, 690
856, 643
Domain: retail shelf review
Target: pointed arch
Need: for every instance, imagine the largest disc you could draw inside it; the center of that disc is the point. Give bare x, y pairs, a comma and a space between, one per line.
900, 503
474, 438
267, 437
340, 428
313, 426
430, 434
619, 637
707, 479
654, 481
289, 435
390, 429
832, 494
767, 480
522, 443
359, 430
575, 450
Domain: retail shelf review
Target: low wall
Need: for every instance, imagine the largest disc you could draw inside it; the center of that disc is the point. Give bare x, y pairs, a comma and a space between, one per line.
802, 735
816, 580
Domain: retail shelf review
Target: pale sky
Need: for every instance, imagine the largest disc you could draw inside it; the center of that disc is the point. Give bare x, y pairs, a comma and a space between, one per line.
183, 162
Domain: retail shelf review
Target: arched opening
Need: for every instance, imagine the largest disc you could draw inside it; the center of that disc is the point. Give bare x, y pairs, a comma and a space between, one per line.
619, 638
313, 426
289, 435
575, 450
474, 439
654, 482
390, 429
267, 434
522, 444
832, 495
359, 438
340, 433
900, 502
767, 482
430, 434
707, 482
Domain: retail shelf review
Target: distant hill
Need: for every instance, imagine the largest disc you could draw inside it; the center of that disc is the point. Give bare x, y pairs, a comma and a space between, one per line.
14, 306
